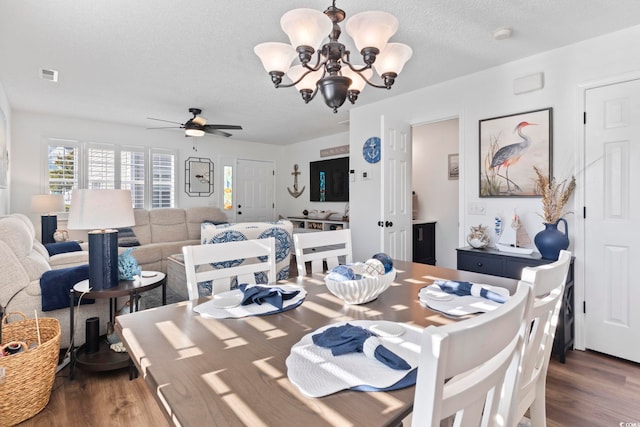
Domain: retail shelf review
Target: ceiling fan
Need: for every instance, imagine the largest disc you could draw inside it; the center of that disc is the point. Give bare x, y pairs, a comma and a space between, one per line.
197, 126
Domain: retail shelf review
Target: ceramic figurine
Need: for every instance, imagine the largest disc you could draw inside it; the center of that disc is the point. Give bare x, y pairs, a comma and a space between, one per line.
478, 237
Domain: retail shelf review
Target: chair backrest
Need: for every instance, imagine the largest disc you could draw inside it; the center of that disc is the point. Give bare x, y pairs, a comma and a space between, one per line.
322, 246
547, 282
466, 368
219, 263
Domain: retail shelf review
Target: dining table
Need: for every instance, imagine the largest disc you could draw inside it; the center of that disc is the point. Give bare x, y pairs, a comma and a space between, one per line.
232, 372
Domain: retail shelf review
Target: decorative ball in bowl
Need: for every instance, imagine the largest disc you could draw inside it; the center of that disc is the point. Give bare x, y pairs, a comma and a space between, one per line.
360, 291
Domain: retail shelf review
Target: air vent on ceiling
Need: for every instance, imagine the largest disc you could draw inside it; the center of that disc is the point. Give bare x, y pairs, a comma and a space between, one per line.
49, 75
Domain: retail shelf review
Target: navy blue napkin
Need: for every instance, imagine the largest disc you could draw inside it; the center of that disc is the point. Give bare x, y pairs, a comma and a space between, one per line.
261, 294
468, 288
351, 339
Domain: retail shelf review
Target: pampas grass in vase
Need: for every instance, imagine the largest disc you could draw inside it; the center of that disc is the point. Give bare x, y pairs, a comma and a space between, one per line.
555, 197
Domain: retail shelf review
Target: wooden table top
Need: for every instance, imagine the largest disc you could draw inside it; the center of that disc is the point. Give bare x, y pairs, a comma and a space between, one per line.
232, 372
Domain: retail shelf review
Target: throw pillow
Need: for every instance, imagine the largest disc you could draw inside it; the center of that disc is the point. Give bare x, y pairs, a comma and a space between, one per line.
62, 247
127, 238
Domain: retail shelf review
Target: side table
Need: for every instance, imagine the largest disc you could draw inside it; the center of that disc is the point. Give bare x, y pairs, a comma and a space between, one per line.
105, 359
503, 264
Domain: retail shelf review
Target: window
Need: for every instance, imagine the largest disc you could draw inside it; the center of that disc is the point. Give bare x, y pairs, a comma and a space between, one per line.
132, 173
63, 167
101, 168
164, 171
228, 188
148, 173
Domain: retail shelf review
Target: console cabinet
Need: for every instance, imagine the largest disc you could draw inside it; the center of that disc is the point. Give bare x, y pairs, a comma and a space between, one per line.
496, 263
424, 242
304, 224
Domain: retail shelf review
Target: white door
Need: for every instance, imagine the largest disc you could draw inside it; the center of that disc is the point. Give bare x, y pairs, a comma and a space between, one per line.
255, 191
612, 223
395, 224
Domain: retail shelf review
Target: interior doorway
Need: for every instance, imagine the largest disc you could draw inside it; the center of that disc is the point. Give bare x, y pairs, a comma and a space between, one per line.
435, 146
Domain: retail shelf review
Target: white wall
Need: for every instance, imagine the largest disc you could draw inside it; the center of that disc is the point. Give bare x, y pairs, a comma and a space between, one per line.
437, 194
301, 154
490, 94
5, 136
30, 131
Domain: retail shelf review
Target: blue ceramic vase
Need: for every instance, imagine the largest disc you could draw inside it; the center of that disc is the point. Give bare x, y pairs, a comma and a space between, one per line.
551, 241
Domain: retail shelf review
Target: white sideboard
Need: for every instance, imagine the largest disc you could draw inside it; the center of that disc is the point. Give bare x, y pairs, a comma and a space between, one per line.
305, 224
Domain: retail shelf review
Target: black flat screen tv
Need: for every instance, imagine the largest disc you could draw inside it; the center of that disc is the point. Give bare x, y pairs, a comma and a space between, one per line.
329, 180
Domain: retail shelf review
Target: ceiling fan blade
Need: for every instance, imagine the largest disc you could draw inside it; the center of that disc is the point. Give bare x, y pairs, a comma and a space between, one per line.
168, 127
236, 127
217, 132
168, 121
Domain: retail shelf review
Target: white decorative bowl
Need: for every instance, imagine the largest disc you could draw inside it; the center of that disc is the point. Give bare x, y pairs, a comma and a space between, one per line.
320, 214
360, 291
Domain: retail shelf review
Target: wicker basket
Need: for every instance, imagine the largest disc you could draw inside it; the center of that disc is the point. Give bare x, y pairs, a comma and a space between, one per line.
29, 374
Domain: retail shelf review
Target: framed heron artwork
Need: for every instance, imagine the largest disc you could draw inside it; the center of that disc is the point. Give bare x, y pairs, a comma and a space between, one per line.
510, 147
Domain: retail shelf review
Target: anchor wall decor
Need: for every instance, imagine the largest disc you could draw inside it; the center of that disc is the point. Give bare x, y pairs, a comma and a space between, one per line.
295, 193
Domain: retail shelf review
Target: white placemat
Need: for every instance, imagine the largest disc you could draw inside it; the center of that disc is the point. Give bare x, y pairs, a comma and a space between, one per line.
453, 305
214, 309
316, 372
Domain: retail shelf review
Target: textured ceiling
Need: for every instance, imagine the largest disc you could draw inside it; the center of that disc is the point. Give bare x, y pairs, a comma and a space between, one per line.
123, 61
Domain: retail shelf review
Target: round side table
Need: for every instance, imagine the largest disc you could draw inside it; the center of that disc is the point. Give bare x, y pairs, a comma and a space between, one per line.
105, 359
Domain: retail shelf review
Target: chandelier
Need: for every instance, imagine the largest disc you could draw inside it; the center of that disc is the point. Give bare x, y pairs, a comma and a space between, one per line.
333, 74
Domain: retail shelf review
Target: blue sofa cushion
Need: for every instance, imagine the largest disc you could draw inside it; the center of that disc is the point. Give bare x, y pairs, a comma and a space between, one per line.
62, 247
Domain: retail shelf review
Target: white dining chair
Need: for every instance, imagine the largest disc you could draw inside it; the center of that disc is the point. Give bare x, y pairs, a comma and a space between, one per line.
221, 262
332, 247
466, 368
541, 320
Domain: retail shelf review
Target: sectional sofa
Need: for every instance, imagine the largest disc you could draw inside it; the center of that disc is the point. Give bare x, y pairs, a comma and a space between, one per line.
159, 233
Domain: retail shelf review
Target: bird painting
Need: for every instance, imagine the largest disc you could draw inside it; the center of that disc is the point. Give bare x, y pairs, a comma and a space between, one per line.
508, 155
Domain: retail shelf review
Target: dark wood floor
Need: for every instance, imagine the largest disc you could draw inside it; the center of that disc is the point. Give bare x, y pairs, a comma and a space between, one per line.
591, 389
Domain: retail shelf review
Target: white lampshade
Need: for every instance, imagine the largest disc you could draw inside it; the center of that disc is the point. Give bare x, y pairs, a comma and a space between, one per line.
371, 29
392, 58
275, 56
47, 203
306, 27
100, 209
357, 82
310, 80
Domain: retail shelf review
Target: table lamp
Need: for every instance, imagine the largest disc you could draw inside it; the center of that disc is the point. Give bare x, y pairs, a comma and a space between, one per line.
47, 204
100, 211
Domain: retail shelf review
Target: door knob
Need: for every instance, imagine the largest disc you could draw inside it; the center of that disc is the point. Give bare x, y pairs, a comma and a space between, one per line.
380, 224
388, 224
239, 213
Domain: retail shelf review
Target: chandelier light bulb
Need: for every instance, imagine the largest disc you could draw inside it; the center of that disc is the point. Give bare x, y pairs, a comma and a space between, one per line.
309, 82
306, 27
275, 56
392, 58
371, 29
357, 82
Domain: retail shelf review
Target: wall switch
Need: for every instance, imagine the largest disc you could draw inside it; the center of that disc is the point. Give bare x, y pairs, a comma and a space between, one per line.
476, 208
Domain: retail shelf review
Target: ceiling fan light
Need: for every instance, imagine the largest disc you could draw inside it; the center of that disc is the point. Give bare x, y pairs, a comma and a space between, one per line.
392, 58
310, 80
357, 82
306, 27
371, 29
275, 56
193, 132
